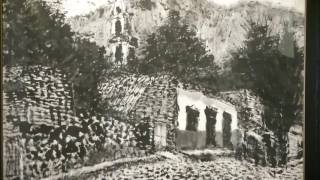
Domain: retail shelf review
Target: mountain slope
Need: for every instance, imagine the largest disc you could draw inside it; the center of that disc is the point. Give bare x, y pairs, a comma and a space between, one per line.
222, 28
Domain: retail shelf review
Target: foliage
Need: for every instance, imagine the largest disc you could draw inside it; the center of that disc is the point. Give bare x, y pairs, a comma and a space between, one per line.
36, 34
273, 74
146, 4
174, 48
275, 77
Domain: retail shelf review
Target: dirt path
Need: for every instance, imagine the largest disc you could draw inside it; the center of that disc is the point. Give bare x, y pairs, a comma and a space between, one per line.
219, 168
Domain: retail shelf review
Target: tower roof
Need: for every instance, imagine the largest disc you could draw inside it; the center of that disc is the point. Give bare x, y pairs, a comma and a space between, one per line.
118, 6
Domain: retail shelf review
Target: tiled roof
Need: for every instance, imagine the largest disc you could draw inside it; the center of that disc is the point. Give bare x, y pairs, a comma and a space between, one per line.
141, 96
122, 92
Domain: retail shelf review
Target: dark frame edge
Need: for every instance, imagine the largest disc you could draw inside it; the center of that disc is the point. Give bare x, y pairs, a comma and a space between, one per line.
1, 87
312, 91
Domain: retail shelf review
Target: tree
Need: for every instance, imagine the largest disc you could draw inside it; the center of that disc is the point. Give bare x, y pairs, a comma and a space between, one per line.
36, 34
174, 48
274, 76
146, 4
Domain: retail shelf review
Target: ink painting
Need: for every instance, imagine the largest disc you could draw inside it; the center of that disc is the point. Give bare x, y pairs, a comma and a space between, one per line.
153, 89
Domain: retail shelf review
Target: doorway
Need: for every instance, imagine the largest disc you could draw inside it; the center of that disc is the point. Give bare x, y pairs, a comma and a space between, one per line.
192, 119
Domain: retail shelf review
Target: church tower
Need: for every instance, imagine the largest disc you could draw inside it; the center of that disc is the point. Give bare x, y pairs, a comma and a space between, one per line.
122, 43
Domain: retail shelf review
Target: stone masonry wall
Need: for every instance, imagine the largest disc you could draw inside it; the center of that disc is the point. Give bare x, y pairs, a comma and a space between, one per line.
144, 99
42, 134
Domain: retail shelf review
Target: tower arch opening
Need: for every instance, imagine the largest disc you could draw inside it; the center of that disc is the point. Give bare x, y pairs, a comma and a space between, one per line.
118, 54
118, 27
118, 9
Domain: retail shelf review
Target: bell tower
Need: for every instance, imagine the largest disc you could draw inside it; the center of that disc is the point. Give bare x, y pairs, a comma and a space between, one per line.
122, 43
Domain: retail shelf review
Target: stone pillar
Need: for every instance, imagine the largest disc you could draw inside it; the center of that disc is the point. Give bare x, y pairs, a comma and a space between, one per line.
211, 116
236, 135
234, 122
113, 28
202, 121
125, 49
219, 137
122, 24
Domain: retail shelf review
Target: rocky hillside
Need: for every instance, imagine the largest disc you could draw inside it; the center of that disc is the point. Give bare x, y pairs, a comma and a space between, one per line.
222, 28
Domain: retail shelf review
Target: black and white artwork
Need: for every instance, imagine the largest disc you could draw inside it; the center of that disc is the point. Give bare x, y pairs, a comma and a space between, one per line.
153, 89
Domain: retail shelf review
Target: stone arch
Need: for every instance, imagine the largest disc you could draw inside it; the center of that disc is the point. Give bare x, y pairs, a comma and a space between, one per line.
118, 9
134, 42
118, 54
131, 54
118, 27
192, 118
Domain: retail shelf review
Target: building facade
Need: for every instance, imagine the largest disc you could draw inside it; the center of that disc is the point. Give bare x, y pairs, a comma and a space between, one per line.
180, 118
204, 121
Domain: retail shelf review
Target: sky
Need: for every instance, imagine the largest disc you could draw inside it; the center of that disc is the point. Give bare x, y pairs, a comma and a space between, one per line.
77, 7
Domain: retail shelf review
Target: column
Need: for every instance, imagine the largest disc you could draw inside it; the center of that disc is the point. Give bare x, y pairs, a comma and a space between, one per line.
122, 20
113, 31
234, 122
182, 118
236, 136
219, 137
219, 120
202, 121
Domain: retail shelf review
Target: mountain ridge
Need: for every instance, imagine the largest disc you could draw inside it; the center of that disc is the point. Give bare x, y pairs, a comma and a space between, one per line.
223, 29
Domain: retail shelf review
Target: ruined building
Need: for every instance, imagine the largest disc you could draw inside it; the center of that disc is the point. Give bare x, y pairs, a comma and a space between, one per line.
181, 117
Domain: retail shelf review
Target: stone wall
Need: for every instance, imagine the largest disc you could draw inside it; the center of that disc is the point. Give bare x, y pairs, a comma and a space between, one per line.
250, 110
43, 135
249, 107
144, 99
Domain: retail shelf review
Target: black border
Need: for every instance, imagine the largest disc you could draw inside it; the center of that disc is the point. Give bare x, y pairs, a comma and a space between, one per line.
312, 91
1, 103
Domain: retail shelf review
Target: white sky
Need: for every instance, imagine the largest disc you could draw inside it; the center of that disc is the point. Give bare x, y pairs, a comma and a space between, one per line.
76, 7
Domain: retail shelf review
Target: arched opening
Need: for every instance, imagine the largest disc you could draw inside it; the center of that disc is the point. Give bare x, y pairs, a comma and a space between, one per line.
226, 130
118, 27
211, 115
132, 54
118, 55
118, 9
192, 119
134, 42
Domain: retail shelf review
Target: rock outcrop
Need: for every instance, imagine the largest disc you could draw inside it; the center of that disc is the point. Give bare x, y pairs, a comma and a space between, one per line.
223, 29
